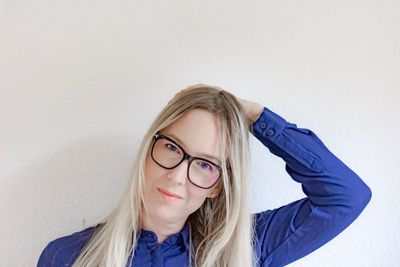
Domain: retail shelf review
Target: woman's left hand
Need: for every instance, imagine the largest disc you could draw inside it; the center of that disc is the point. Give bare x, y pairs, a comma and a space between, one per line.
252, 109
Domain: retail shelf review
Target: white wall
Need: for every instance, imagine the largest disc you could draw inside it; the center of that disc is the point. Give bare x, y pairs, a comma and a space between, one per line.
82, 80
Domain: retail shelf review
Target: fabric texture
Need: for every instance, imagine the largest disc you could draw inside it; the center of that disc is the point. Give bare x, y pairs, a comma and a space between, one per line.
335, 197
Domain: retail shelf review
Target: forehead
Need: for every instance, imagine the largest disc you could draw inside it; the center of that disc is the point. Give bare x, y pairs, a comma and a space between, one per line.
197, 131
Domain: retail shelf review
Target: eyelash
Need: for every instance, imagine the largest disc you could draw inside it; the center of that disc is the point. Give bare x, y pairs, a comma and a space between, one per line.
209, 165
171, 145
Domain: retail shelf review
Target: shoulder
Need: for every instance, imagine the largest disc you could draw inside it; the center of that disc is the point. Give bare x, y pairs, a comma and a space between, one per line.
64, 250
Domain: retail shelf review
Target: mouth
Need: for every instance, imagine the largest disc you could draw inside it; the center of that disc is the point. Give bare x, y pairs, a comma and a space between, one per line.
169, 195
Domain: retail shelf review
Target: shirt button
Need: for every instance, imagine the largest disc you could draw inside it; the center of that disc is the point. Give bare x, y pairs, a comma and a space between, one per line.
270, 132
263, 125
173, 239
150, 236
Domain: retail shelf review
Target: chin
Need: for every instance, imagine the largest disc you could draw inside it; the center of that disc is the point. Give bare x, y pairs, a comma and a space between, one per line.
169, 215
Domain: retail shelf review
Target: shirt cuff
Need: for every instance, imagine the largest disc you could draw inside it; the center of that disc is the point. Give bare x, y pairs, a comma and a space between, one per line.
268, 125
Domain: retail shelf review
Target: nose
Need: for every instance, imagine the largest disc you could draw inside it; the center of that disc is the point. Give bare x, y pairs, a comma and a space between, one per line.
179, 173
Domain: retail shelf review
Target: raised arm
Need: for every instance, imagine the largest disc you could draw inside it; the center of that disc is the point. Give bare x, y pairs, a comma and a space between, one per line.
335, 194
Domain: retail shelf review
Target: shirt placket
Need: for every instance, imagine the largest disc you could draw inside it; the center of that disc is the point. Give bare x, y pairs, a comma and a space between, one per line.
157, 257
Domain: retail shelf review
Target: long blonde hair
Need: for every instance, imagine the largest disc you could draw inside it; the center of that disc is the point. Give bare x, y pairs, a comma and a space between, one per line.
222, 228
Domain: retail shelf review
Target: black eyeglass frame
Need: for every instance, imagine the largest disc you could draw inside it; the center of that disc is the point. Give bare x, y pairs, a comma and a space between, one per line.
190, 158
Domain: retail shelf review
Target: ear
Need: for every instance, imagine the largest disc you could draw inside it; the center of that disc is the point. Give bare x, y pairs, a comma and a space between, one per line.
215, 192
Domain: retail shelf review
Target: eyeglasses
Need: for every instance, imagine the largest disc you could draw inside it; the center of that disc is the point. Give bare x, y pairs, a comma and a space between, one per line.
168, 154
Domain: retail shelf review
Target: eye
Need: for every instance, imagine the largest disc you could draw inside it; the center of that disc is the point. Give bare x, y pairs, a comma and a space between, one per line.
172, 148
206, 166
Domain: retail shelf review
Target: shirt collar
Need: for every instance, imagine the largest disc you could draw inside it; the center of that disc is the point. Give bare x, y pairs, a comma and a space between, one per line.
180, 238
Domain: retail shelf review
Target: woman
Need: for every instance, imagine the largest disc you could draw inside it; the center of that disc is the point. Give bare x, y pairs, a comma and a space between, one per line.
187, 203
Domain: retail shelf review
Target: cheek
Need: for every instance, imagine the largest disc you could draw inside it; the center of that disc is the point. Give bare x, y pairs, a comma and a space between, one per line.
152, 170
197, 198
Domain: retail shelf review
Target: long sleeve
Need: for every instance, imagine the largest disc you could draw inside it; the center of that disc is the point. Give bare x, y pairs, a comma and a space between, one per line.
63, 251
335, 194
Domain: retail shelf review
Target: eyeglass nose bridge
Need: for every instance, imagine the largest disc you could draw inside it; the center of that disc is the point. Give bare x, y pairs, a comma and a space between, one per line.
188, 157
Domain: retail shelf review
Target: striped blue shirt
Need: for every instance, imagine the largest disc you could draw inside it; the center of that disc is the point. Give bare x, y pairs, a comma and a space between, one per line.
335, 197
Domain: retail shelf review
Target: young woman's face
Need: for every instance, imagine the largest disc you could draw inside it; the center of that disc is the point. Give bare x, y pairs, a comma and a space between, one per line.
197, 132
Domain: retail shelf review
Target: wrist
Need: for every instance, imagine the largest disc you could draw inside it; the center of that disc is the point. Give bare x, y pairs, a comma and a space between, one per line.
258, 109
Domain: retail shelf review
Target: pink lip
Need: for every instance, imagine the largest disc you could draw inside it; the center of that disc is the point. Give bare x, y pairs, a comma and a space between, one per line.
169, 194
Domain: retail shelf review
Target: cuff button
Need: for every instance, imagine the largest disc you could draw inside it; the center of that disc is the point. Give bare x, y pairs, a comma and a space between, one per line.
270, 132
263, 125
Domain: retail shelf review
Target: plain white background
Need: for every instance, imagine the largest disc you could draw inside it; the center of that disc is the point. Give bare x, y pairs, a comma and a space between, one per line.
82, 80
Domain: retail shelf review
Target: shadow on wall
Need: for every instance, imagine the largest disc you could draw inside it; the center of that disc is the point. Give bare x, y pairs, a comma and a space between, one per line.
62, 193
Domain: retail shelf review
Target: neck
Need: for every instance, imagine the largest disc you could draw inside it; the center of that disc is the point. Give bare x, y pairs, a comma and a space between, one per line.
161, 228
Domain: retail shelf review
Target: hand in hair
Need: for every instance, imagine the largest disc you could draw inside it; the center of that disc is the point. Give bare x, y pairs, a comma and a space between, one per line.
252, 109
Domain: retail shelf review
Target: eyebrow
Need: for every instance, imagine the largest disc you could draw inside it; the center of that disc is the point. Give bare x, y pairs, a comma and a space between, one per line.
200, 154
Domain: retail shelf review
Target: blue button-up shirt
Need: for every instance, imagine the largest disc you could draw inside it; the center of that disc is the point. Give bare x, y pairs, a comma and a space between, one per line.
335, 198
